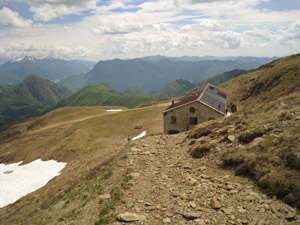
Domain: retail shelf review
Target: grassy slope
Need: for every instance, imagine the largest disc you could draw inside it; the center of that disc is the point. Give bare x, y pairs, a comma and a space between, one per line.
268, 83
135, 91
87, 141
268, 103
221, 78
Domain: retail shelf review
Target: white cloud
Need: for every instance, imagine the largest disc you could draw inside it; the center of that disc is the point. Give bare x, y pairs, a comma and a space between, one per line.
167, 27
117, 28
295, 25
47, 10
42, 50
12, 18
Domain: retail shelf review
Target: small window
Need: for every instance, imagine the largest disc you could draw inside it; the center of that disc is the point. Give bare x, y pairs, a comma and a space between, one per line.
219, 107
173, 119
211, 87
192, 110
193, 120
173, 132
210, 118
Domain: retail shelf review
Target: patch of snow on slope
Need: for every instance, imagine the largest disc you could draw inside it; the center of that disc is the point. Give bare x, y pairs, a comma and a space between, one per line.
114, 110
139, 136
17, 181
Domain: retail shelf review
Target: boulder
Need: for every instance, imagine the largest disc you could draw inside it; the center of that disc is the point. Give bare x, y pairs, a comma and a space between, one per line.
256, 142
231, 138
191, 215
137, 126
105, 196
215, 204
128, 217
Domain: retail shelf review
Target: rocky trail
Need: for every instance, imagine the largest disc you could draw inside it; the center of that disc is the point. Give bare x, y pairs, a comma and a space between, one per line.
168, 186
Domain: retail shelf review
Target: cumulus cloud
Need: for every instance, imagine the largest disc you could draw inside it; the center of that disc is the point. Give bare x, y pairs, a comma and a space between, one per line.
62, 2
295, 25
12, 18
42, 50
47, 10
117, 28
125, 28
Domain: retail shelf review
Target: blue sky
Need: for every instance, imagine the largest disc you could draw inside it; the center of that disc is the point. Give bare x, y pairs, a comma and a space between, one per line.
105, 29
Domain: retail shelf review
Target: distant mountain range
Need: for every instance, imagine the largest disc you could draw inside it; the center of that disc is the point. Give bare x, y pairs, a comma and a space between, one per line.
35, 96
151, 75
14, 71
29, 98
117, 82
240, 59
181, 87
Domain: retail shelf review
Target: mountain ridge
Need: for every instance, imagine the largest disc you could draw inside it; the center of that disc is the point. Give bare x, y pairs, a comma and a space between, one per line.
152, 76
101, 94
14, 71
29, 98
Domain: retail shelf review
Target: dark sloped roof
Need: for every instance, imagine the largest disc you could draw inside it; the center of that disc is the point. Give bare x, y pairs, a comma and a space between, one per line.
205, 95
183, 101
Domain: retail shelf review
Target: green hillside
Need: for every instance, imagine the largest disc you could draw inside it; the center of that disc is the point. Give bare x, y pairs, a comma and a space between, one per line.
29, 98
174, 88
135, 92
101, 94
221, 78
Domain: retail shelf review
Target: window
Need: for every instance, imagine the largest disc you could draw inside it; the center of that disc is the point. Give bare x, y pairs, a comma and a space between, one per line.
192, 110
219, 107
210, 118
193, 120
173, 132
173, 119
211, 87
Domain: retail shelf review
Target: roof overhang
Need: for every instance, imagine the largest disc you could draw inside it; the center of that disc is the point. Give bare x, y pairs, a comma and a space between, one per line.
193, 102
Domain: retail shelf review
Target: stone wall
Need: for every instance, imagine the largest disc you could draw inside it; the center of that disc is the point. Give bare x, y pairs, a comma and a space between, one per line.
202, 113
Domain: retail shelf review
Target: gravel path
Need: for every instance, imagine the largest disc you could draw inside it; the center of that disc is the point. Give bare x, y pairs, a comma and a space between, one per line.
168, 186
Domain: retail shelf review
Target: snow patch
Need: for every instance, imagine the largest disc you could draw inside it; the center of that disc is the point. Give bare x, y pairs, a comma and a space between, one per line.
228, 114
114, 110
139, 136
19, 59
17, 181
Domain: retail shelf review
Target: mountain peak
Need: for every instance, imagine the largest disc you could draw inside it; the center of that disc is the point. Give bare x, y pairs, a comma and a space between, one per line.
23, 59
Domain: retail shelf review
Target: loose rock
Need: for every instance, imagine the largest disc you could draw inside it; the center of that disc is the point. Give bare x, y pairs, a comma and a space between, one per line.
215, 204
128, 217
191, 215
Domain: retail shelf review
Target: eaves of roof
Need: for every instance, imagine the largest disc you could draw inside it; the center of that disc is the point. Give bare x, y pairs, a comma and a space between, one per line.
193, 102
187, 100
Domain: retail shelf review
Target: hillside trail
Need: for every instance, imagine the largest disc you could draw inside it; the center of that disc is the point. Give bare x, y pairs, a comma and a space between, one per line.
168, 186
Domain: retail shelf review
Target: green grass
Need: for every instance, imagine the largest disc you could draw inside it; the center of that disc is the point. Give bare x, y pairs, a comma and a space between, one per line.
101, 95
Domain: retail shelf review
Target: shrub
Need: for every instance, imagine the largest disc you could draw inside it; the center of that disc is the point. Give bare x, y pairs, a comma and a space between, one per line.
292, 160
249, 135
200, 150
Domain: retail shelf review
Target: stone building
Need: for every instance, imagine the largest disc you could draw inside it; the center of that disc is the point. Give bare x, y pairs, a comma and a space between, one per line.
204, 103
